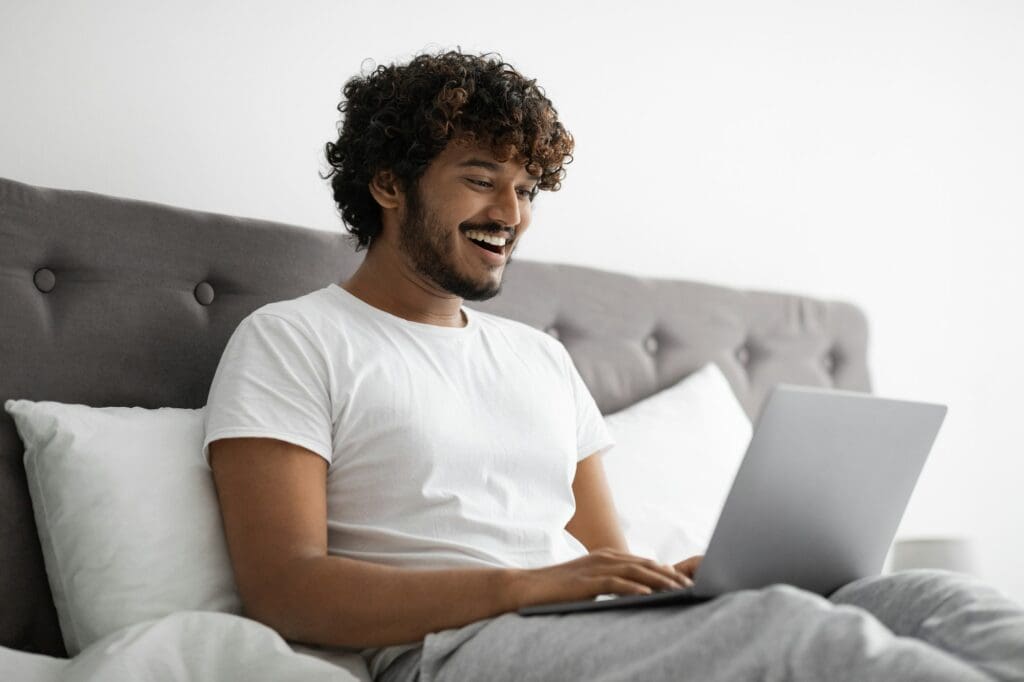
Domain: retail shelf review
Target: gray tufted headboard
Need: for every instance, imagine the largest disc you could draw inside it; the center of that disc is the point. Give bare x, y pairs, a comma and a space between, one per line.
107, 301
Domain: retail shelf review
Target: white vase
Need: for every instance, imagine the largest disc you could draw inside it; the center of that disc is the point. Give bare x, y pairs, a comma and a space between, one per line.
949, 553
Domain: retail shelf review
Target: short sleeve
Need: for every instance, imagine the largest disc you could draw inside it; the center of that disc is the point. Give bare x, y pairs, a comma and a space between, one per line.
592, 435
272, 382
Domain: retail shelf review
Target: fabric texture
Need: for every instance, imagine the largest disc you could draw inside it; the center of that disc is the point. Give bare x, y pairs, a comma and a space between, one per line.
916, 625
447, 446
675, 458
186, 646
127, 515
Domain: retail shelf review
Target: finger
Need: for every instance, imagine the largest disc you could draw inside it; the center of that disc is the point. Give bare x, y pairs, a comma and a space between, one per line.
612, 584
689, 566
685, 578
682, 576
655, 577
667, 570
674, 578
606, 557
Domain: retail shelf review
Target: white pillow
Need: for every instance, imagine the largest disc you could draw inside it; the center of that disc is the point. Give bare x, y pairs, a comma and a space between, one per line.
676, 456
127, 515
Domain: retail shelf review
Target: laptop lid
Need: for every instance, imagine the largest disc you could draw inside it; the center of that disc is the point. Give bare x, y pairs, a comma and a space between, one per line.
821, 490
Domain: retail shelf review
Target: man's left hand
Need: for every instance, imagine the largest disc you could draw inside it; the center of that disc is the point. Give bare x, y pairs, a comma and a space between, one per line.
688, 567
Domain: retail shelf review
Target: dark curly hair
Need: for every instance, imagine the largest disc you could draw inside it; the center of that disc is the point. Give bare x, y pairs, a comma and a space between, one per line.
399, 117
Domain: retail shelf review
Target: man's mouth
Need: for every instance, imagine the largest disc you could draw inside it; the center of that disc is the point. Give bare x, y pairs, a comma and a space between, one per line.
494, 244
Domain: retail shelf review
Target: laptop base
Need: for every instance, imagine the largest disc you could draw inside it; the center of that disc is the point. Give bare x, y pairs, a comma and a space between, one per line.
632, 601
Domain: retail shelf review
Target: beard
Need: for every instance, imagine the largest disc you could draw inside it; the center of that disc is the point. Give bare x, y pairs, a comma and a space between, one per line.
427, 245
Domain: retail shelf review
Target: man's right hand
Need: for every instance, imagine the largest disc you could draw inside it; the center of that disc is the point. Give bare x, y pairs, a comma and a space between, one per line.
603, 571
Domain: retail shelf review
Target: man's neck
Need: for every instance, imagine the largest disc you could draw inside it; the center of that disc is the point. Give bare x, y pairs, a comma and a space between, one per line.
384, 282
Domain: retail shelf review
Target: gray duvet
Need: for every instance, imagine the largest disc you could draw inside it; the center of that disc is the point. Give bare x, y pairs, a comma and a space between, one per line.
913, 625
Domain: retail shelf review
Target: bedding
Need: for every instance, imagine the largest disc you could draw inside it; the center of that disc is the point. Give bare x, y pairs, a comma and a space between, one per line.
186, 646
913, 626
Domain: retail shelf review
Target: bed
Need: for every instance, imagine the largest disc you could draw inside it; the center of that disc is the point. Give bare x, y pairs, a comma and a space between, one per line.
116, 302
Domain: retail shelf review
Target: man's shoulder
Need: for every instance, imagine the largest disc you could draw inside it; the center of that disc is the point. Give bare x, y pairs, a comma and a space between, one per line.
521, 332
302, 312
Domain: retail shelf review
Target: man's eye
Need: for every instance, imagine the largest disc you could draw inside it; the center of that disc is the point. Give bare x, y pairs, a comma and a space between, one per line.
527, 193
479, 183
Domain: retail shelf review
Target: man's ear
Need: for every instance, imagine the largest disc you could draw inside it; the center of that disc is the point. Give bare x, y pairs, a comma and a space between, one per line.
385, 189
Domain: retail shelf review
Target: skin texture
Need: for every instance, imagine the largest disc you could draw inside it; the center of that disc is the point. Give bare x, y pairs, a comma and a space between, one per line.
272, 494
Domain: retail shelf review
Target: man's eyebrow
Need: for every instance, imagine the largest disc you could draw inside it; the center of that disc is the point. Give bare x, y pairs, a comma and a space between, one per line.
489, 165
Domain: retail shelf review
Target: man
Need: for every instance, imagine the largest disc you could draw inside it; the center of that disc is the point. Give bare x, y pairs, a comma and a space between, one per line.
398, 473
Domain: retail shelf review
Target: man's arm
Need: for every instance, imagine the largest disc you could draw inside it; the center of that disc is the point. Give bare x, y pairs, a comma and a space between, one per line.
595, 523
273, 500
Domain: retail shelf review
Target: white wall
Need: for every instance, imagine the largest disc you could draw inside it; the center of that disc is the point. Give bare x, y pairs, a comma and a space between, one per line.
868, 151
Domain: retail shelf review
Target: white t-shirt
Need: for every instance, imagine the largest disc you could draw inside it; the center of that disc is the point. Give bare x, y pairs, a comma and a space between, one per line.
447, 446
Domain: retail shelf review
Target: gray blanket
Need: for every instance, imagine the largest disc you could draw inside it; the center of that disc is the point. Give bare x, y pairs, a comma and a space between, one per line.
913, 625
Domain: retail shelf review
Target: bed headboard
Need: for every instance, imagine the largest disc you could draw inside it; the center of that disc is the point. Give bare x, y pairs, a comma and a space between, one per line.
108, 301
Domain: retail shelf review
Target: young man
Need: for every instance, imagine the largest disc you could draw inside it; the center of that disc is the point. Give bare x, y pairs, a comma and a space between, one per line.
397, 473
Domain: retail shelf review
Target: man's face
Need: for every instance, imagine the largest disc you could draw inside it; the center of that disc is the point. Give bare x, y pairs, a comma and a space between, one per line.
464, 189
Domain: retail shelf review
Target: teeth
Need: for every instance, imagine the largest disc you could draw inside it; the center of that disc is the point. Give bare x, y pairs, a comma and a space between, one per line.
490, 239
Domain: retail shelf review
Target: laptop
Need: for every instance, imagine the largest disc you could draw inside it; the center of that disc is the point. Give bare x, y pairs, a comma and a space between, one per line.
816, 501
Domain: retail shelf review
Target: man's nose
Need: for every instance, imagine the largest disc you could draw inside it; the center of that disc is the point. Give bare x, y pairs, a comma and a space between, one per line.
505, 207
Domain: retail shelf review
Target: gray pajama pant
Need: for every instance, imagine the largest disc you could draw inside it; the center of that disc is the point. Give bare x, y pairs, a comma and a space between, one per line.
912, 625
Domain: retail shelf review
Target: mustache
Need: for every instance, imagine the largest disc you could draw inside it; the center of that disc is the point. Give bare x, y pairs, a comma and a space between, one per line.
509, 233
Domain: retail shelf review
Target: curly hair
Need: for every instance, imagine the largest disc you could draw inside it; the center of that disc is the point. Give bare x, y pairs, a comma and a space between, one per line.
399, 117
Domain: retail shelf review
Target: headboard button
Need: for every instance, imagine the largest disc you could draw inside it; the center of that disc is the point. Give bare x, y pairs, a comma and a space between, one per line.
204, 293
743, 355
44, 280
651, 344
829, 361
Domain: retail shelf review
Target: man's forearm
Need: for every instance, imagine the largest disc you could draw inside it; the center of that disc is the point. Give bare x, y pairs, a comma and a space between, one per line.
334, 601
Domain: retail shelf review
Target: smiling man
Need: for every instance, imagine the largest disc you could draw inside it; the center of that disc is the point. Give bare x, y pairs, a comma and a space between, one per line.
398, 472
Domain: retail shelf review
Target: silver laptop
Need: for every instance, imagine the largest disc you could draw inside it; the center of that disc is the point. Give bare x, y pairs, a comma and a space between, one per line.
815, 503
